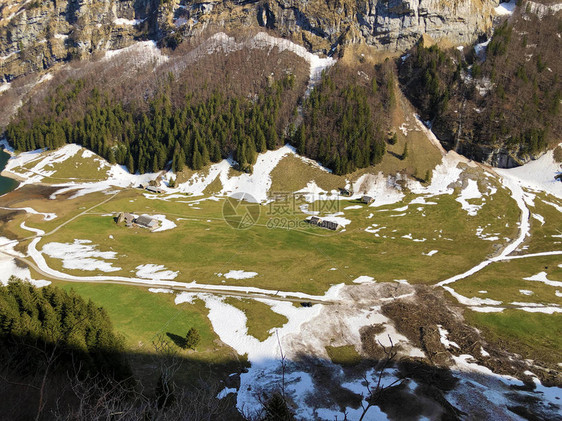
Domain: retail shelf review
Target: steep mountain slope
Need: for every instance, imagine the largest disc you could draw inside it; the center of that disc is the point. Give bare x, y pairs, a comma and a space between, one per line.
36, 34
498, 102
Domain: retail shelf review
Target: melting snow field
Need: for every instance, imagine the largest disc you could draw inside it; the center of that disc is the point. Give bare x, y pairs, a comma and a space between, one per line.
165, 224
238, 274
541, 277
157, 272
9, 268
81, 255
470, 192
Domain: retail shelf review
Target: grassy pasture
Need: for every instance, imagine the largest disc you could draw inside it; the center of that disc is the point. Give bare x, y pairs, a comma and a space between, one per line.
532, 335
203, 245
504, 280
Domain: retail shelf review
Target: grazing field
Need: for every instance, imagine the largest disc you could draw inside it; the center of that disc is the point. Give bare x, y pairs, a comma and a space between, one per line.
386, 242
505, 281
532, 335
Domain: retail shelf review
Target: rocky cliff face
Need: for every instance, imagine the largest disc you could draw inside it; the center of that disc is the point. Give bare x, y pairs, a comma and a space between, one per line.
393, 25
34, 34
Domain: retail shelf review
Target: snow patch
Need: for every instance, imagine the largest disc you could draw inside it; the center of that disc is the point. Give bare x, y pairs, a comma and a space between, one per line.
157, 272
364, 280
165, 224
470, 192
505, 9
81, 255
185, 297
238, 274
161, 290
443, 333
430, 253
538, 174
542, 277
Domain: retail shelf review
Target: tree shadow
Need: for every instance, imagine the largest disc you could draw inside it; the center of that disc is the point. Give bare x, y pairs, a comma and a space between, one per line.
177, 339
394, 154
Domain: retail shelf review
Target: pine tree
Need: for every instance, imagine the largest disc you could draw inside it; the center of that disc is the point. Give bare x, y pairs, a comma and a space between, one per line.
130, 163
192, 338
276, 409
301, 140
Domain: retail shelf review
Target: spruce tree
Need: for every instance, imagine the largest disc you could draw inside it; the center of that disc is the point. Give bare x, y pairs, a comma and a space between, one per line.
276, 409
130, 163
301, 140
192, 338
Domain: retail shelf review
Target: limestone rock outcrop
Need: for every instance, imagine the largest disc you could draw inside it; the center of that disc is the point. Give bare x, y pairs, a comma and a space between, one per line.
35, 34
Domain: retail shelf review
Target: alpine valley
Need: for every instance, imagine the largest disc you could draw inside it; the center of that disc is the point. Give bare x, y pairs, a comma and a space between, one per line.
280, 210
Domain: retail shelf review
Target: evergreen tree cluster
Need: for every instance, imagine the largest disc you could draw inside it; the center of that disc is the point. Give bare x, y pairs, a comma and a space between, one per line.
344, 119
430, 77
37, 321
192, 135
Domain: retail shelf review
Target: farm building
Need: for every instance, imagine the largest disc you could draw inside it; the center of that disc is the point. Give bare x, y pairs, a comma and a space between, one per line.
367, 199
129, 219
314, 220
125, 217
334, 226
154, 189
146, 221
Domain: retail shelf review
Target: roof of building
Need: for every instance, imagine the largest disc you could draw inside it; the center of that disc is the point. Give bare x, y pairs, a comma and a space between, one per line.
154, 189
366, 198
147, 221
329, 224
324, 224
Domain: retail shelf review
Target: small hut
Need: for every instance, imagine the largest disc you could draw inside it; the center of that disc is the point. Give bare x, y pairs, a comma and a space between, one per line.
154, 189
129, 219
146, 221
367, 199
334, 226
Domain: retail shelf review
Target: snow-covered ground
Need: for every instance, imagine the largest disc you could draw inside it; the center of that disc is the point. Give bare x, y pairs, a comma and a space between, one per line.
130, 22
470, 192
238, 274
165, 224
505, 8
81, 255
307, 327
537, 175
142, 51
9, 268
158, 272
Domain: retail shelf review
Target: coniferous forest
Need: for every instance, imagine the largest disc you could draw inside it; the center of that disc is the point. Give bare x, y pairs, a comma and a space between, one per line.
48, 327
200, 115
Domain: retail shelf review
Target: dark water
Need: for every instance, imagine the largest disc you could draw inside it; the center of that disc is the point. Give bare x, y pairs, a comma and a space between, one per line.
6, 184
